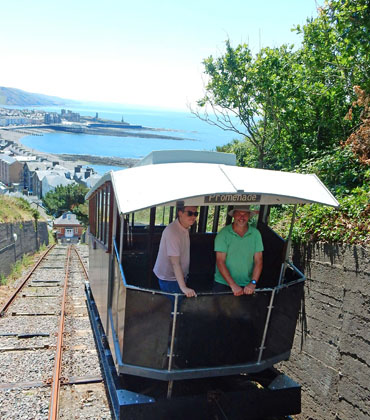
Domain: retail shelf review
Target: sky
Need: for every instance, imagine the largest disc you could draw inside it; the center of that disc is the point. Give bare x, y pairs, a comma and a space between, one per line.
144, 52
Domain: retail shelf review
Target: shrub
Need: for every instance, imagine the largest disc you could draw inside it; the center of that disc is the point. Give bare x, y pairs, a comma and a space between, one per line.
347, 224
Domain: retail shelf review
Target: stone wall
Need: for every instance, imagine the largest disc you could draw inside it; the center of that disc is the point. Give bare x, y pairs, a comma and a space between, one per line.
28, 240
331, 353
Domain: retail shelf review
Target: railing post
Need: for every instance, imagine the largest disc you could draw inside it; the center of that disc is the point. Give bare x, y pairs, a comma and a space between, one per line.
174, 318
266, 326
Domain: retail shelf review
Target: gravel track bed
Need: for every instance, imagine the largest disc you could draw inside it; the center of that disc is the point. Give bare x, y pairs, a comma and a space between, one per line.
84, 402
14, 342
22, 404
81, 323
78, 298
43, 324
80, 363
78, 286
76, 312
31, 291
25, 366
37, 305
47, 274
85, 339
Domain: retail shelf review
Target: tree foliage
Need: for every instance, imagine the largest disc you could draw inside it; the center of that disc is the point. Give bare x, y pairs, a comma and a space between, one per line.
287, 104
350, 223
359, 140
67, 198
304, 109
251, 96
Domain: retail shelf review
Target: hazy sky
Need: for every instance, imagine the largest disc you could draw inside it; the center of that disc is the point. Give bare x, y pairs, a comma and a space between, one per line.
138, 52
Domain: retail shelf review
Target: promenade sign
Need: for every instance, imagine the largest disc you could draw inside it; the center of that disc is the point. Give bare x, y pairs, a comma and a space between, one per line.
232, 198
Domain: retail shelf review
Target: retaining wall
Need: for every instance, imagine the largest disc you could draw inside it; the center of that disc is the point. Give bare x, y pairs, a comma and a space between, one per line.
28, 240
331, 354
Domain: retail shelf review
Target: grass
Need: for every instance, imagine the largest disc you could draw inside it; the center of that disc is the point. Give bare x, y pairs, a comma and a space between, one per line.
51, 239
18, 268
14, 209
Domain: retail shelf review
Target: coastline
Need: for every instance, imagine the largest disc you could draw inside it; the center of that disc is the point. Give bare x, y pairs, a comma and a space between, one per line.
67, 160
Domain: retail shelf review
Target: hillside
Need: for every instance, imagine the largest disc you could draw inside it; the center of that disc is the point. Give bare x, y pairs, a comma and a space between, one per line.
12, 96
14, 209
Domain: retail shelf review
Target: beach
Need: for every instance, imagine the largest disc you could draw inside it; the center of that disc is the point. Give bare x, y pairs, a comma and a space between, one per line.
67, 160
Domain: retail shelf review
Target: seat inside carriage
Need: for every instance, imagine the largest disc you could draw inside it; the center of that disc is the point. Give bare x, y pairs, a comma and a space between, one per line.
212, 334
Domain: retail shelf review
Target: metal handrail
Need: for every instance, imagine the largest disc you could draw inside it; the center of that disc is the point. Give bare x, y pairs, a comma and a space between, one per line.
130, 286
262, 290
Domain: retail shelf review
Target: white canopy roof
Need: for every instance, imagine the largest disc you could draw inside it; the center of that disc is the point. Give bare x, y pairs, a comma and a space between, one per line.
211, 184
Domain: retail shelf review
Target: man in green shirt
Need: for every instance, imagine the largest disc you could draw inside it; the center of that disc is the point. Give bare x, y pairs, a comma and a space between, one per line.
238, 255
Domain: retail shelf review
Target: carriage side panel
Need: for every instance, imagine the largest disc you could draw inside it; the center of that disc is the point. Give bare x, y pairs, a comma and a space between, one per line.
98, 277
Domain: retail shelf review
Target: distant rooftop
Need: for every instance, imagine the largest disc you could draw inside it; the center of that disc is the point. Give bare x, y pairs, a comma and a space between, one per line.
8, 159
25, 158
67, 218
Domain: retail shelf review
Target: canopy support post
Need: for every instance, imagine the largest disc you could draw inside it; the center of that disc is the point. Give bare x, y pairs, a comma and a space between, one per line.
288, 247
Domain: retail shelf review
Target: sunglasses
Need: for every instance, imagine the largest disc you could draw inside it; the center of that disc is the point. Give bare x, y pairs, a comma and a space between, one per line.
191, 213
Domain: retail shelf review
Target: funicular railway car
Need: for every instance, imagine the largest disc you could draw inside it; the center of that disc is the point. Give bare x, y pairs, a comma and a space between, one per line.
206, 357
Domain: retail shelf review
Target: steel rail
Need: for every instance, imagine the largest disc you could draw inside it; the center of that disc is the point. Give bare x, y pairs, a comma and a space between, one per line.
20, 287
53, 409
82, 264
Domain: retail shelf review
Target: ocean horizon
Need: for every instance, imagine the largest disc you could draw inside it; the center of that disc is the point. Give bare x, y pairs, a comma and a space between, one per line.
193, 134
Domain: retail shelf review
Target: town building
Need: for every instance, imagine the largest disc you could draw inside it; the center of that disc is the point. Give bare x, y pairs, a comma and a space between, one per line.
23, 159
68, 228
4, 143
91, 180
28, 170
52, 118
37, 178
53, 180
70, 116
10, 170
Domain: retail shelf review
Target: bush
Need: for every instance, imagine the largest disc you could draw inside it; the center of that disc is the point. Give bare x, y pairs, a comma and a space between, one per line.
340, 170
347, 224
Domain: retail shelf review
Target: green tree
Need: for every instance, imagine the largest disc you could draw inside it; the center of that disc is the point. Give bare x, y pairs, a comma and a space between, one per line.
250, 95
335, 58
67, 198
289, 105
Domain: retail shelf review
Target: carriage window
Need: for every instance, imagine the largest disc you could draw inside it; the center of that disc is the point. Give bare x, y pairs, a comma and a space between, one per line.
103, 210
216, 218
142, 217
98, 214
92, 215
107, 214
162, 216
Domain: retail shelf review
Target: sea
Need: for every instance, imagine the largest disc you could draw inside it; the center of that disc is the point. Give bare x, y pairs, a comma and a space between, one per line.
193, 134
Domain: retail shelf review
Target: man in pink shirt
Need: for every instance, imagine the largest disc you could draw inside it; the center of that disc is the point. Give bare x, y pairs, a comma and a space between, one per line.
173, 260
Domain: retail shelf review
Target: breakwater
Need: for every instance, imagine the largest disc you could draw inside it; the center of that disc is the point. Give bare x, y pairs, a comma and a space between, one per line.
106, 130
99, 160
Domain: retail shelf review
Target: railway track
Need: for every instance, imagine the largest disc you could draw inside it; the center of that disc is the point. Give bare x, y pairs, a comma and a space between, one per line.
49, 365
